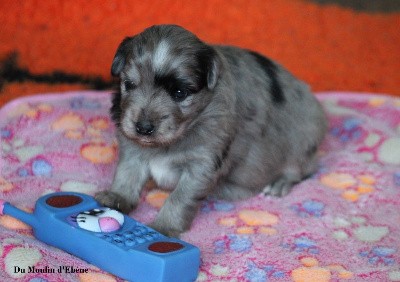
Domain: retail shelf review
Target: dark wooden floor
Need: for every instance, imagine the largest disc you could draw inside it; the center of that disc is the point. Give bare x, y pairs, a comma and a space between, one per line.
366, 5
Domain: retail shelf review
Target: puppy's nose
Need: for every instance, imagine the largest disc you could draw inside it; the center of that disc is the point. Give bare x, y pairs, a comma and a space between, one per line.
144, 128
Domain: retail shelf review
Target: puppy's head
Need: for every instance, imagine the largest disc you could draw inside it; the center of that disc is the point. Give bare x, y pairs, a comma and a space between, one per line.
167, 77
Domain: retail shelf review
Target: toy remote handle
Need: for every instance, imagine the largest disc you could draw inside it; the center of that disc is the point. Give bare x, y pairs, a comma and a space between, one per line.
104, 237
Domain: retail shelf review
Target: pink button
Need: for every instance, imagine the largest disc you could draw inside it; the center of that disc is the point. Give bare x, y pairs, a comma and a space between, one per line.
108, 224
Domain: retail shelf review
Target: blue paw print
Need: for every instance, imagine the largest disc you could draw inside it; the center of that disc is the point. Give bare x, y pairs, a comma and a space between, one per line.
38, 279
309, 208
215, 205
5, 134
79, 103
349, 131
41, 167
379, 255
396, 177
236, 243
23, 172
303, 244
263, 273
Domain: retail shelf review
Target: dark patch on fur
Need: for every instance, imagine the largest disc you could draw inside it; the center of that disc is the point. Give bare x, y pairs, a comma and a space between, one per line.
217, 162
171, 83
115, 109
312, 150
250, 112
204, 69
201, 68
120, 56
226, 150
271, 71
263, 131
200, 198
220, 159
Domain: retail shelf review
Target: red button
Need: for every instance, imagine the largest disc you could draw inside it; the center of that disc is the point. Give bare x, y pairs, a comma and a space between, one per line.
63, 201
165, 247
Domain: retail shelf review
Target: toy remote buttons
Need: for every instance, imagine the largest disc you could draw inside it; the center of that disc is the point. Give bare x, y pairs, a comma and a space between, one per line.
104, 237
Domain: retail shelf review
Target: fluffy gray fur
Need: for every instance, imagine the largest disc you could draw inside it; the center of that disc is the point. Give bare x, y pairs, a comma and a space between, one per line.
245, 125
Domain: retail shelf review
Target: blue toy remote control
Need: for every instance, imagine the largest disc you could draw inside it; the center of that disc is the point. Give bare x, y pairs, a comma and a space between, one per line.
104, 237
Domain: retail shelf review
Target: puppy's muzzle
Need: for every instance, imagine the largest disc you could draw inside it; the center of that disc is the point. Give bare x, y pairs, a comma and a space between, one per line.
145, 128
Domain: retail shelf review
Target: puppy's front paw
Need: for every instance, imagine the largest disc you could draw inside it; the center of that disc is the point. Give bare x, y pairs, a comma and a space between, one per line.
279, 188
114, 201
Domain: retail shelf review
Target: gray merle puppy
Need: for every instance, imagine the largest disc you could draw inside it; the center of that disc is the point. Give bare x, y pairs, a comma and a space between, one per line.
206, 120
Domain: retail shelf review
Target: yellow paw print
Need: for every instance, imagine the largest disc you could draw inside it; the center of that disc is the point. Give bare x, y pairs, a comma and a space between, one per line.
99, 153
30, 111
97, 125
352, 187
312, 272
252, 221
12, 223
5, 185
156, 198
72, 125
96, 276
376, 101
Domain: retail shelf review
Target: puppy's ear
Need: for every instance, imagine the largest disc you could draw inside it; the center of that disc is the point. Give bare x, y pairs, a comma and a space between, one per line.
120, 57
214, 67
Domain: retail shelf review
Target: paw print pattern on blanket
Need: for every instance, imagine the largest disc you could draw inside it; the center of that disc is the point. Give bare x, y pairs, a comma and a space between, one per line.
16, 255
263, 272
379, 255
251, 221
350, 130
309, 208
15, 224
357, 227
29, 156
5, 186
302, 243
341, 224
311, 271
234, 243
353, 125
353, 187
18, 150
31, 111
73, 126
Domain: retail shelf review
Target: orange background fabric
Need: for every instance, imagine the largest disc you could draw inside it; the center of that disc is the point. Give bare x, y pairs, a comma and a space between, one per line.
330, 47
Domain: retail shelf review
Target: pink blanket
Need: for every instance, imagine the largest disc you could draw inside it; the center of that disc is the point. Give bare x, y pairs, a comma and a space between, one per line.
343, 224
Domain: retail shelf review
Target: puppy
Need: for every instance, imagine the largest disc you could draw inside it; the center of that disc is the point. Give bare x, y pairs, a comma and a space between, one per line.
206, 120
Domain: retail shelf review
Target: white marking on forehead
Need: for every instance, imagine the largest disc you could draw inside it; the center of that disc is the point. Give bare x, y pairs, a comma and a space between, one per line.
160, 55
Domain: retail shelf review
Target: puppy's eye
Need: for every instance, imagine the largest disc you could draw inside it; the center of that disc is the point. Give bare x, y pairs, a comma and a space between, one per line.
129, 85
178, 95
